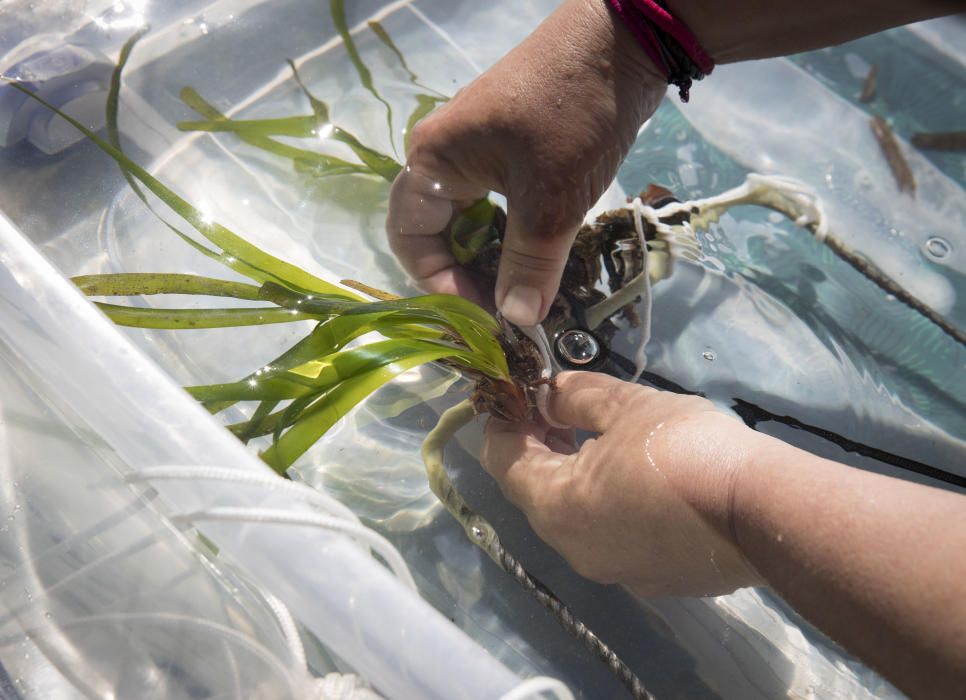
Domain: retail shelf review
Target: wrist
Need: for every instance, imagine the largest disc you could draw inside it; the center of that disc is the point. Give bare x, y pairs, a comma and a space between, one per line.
631, 64
722, 452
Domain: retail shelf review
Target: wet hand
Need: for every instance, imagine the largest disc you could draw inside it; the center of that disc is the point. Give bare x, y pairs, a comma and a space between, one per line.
647, 502
547, 127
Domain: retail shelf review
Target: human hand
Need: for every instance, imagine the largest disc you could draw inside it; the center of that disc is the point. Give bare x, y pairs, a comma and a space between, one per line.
547, 127
647, 503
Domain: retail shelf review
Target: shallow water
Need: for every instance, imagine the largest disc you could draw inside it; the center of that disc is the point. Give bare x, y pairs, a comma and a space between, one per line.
766, 315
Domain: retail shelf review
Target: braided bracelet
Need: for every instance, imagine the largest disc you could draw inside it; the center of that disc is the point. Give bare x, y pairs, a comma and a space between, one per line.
667, 41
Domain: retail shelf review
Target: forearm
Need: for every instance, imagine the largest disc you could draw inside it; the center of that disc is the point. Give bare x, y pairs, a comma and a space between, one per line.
749, 29
876, 563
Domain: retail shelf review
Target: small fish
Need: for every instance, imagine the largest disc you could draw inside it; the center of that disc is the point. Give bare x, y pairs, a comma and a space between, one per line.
868, 90
893, 155
940, 140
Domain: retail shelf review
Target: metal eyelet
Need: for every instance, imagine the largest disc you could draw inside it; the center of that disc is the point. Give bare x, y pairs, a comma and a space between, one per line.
577, 348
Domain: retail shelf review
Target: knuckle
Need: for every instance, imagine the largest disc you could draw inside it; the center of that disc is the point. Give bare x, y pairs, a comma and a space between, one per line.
519, 255
622, 398
424, 137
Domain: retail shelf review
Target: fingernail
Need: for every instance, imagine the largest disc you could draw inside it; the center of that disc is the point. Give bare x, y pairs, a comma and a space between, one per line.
521, 306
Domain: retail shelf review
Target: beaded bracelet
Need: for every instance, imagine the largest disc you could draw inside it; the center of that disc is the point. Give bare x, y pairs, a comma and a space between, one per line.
667, 41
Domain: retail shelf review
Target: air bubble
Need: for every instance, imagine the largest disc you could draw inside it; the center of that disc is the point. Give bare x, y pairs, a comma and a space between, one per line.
937, 247
863, 179
708, 355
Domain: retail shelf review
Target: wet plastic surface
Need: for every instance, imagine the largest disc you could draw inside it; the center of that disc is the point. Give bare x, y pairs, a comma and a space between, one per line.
762, 296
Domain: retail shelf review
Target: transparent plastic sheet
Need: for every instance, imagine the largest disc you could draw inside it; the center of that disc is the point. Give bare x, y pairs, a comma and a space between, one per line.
376, 625
739, 646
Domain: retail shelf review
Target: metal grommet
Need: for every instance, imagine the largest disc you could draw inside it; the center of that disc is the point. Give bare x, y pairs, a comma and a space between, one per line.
577, 348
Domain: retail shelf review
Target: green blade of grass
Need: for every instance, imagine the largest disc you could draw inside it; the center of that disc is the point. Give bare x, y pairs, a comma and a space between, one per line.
333, 369
338, 401
296, 127
379, 163
237, 253
319, 108
471, 230
147, 283
329, 337
332, 335
257, 264
382, 165
196, 102
114, 138
187, 319
387, 41
277, 388
469, 322
365, 76
248, 132
424, 105
264, 409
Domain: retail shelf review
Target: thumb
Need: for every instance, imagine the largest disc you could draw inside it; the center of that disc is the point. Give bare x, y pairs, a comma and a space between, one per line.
534, 253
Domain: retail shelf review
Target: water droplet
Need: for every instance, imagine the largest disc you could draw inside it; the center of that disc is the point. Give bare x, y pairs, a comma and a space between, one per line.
708, 355
937, 247
577, 347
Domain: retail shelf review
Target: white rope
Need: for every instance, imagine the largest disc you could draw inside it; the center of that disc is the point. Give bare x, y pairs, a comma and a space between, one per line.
289, 630
342, 686
269, 481
274, 516
339, 518
640, 356
336, 518
539, 338
537, 687
225, 633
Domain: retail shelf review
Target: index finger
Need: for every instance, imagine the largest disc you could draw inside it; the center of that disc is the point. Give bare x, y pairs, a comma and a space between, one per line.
591, 400
516, 456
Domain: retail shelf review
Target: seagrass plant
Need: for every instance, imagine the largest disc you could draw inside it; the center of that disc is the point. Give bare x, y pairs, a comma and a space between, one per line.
301, 393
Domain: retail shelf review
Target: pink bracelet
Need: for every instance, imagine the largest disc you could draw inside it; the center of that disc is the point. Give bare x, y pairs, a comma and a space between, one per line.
667, 41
